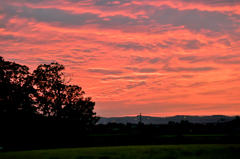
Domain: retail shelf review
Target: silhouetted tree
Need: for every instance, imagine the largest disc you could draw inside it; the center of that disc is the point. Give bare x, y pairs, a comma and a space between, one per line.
185, 122
41, 104
17, 103
57, 99
50, 87
77, 108
16, 91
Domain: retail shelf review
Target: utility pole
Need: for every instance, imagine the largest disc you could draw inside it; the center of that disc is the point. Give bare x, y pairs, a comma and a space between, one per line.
140, 118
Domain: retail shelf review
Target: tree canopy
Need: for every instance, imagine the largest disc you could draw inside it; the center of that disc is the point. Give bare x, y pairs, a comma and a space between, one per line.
44, 92
16, 91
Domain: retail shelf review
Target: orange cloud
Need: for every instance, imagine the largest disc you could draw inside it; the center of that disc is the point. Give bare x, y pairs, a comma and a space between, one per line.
156, 57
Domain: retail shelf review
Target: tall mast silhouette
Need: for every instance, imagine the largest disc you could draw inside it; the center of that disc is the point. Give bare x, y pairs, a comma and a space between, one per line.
140, 117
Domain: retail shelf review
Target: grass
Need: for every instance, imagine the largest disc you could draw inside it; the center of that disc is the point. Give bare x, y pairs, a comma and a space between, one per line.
132, 152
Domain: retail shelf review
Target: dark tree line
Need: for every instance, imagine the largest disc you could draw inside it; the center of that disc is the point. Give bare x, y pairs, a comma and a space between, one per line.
41, 103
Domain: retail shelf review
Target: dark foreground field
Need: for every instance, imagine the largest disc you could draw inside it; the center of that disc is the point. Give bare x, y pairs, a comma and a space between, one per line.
133, 152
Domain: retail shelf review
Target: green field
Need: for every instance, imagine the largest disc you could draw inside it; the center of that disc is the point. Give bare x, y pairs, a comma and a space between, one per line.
132, 152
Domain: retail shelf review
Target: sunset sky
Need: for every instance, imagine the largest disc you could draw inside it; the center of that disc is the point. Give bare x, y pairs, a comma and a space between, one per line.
155, 57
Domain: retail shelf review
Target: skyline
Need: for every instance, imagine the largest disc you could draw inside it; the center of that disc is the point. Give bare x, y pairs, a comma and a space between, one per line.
158, 57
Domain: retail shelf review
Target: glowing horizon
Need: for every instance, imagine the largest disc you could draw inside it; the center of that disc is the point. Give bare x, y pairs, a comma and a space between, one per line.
158, 57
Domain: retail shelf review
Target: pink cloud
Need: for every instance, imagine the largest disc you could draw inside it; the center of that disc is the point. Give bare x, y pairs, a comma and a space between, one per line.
163, 57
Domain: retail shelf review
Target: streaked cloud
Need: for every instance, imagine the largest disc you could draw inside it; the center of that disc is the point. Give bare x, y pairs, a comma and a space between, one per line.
105, 71
136, 85
188, 69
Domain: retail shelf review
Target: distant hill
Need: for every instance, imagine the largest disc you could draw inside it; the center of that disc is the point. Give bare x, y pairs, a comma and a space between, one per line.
165, 120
